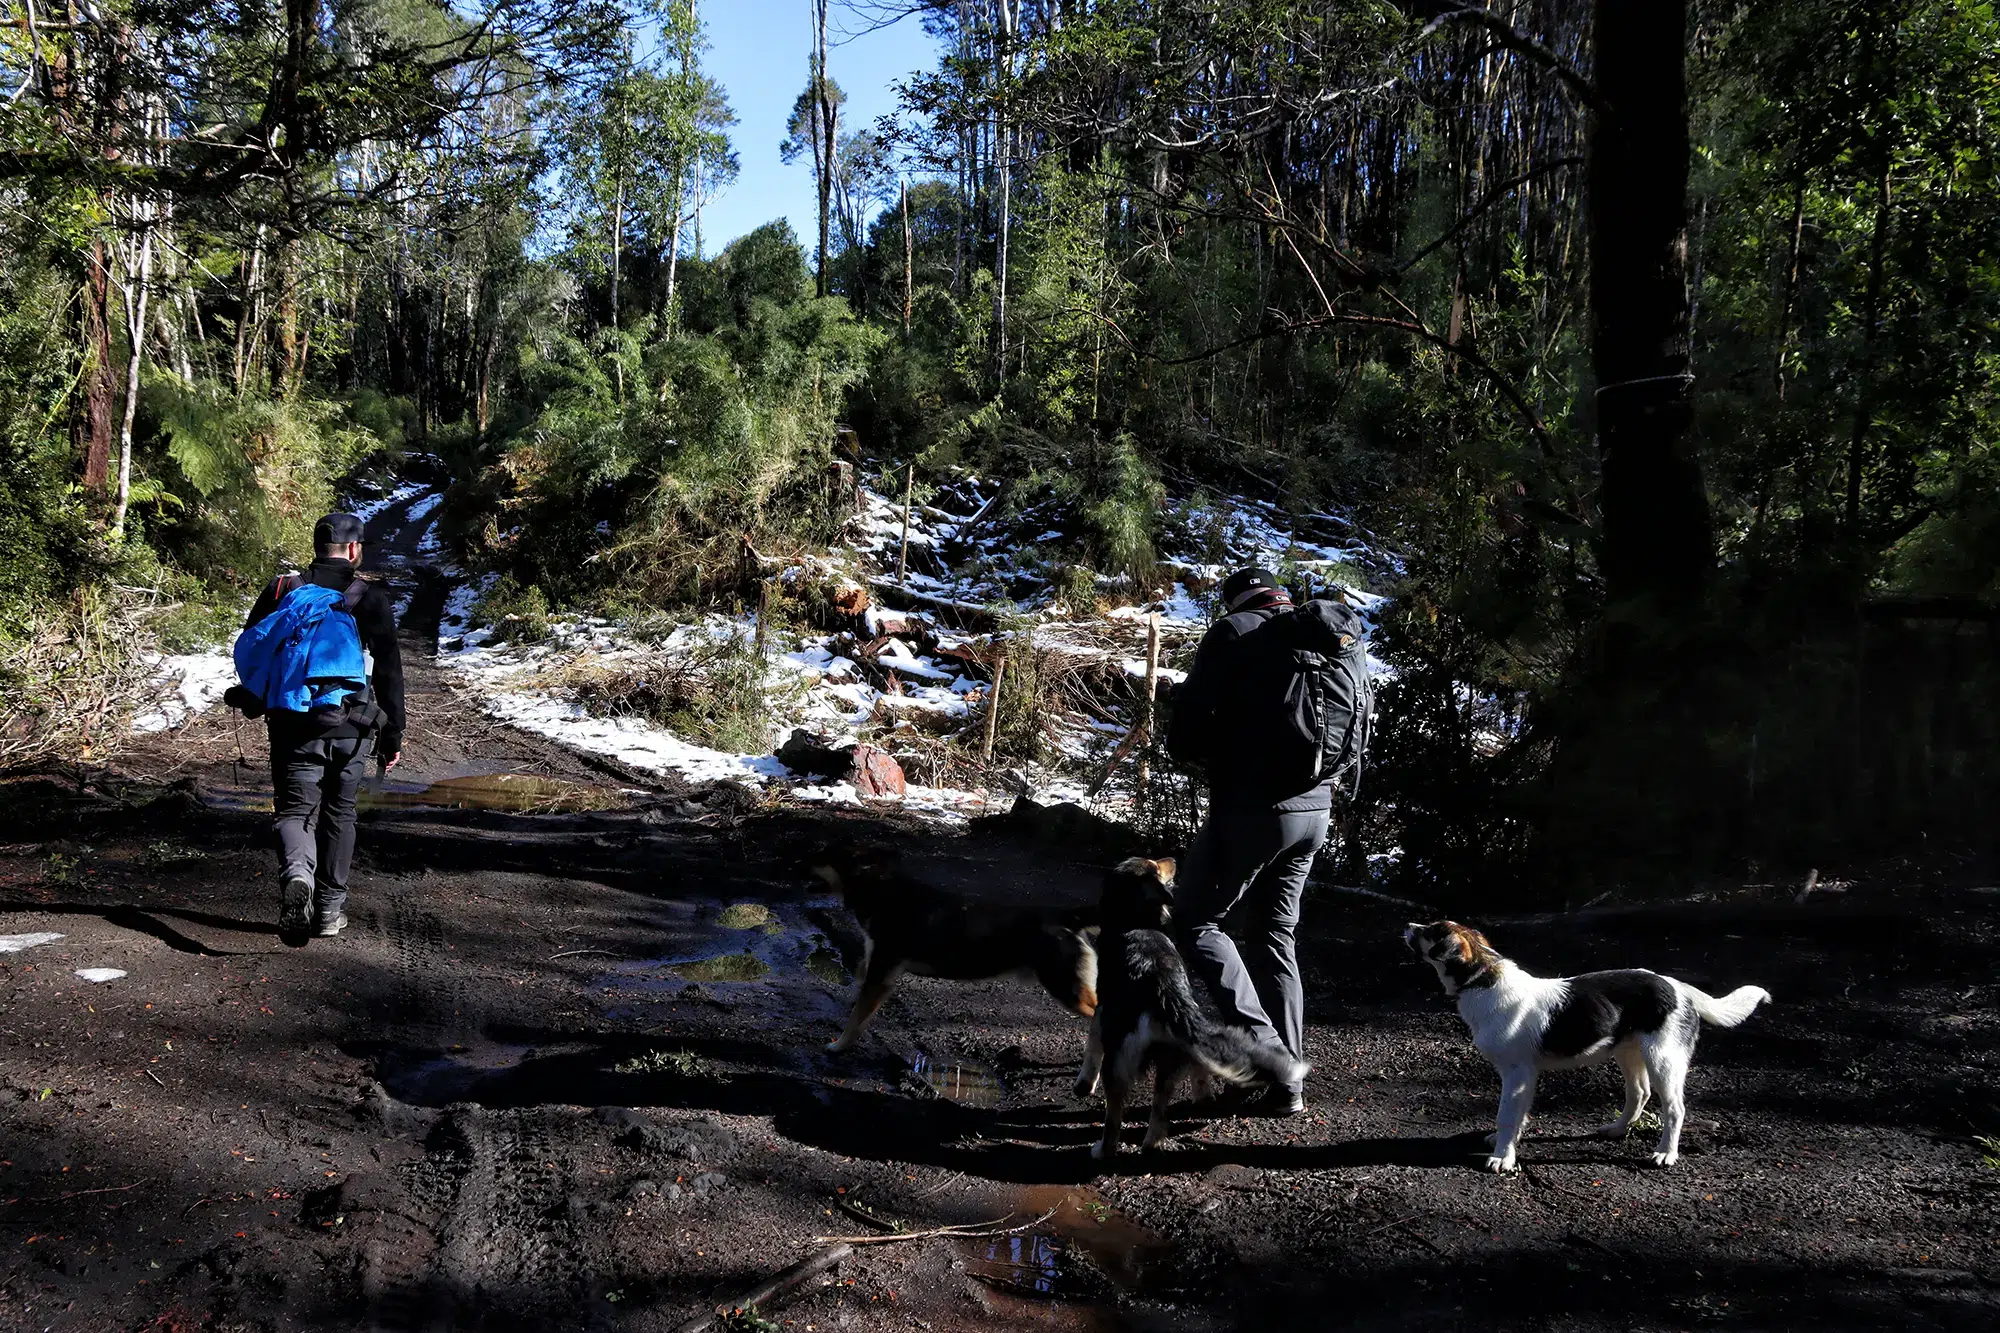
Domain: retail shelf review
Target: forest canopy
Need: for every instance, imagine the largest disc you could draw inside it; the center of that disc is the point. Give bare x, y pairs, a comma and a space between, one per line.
1662, 350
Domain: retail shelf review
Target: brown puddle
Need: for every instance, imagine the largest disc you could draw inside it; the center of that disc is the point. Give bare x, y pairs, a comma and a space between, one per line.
1035, 1277
1119, 1247
515, 793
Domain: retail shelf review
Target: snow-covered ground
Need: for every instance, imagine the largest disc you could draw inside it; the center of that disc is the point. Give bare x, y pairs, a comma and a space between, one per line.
918, 680
186, 684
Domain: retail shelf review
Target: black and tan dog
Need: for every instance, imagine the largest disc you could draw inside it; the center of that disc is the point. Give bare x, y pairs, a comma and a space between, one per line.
1147, 1013
915, 927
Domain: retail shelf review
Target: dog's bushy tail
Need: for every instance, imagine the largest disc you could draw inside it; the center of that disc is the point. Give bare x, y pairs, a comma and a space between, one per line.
1729, 1010
1069, 970
1234, 1056
1231, 1054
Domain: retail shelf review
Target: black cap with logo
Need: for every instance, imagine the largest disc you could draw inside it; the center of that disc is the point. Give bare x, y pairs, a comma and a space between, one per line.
337, 530
1241, 586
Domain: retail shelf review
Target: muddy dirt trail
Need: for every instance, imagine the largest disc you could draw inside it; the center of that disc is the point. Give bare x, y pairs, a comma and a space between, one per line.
566, 1071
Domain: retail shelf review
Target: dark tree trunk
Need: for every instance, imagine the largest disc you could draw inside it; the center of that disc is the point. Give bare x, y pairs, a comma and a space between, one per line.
92, 430
1632, 786
1658, 543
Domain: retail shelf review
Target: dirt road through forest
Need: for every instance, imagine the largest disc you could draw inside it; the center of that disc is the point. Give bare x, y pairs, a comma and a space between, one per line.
565, 1071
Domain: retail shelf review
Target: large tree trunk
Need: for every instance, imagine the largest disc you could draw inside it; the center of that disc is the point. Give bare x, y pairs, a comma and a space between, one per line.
93, 424
1632, 786
1658, 545
138, 295
824, 129
1003, 69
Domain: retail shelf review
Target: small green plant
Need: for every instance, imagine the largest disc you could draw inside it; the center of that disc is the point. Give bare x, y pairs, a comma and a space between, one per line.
64, 869
1989, 1151
1019, 730
744, 916
748, 1321
514, 613
167, 854
1075, 587
686, 1064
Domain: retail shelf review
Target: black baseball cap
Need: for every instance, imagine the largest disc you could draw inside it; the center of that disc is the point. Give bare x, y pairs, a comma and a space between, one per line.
337, 530
1238, 586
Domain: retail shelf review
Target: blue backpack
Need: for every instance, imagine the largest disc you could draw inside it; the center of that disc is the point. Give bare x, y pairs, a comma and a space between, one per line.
306, 655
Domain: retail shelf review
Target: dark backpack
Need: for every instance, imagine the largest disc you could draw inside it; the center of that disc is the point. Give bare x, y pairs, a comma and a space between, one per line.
1295, 701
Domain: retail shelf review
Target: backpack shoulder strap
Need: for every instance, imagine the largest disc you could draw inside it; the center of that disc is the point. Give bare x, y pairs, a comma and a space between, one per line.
286, 584
352, 597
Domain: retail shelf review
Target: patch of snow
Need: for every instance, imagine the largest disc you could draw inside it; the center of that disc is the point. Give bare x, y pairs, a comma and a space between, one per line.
425, 507
99, 973
189, 683
17, 943
406, 491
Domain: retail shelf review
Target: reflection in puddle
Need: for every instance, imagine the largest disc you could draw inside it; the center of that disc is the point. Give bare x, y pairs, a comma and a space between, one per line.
824, 963
438, 1078
1044, 1278
1036, 1261
516, 793
1119, 1247
725, 967
963, 1081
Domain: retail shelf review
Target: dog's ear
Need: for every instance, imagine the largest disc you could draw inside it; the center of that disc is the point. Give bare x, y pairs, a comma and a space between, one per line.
1164, 868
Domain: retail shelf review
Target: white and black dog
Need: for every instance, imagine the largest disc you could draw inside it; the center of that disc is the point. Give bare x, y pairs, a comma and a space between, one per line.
1525, 1024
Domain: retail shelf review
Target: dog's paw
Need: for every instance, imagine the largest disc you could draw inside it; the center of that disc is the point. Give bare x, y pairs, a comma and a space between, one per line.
839, 1046
1616, 1129
1100, 1151
1665, 1158
1083, 1089
1500, 1166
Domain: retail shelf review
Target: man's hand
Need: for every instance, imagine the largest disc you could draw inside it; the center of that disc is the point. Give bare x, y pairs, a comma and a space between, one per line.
391, 761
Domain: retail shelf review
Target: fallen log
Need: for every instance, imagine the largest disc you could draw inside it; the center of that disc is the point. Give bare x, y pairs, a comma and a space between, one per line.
970, 615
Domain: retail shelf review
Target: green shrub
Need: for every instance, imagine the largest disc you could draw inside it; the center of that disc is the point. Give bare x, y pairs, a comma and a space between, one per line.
719, 692
515, 614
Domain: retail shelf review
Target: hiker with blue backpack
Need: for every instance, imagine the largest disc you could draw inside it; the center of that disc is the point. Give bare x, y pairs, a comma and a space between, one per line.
1274, 712
302, 664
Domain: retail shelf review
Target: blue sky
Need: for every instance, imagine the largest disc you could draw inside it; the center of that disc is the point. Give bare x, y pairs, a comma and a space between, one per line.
759, 51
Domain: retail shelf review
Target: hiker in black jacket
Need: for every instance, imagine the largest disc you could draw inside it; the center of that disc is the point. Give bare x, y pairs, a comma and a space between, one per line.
316, 768
1269, 810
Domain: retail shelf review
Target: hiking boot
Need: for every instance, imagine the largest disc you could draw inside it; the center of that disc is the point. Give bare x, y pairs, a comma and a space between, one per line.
1278, 1102
295, 912
331, 926
1232, 1100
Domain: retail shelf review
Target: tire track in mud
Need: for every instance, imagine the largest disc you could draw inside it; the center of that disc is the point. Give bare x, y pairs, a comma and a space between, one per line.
504, 1251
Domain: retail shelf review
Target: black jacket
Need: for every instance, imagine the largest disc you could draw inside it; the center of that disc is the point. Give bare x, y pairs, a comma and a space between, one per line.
375, 617
1235, 781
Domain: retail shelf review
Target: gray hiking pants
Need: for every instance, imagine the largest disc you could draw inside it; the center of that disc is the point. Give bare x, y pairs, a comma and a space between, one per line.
1255, 863
313, 787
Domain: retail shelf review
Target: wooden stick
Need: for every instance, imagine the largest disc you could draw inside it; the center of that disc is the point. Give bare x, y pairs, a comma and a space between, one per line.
1131, 738
992, 711
974, 1230
1812, 882
1146, 703
776, 1288
763, 614
903, 554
